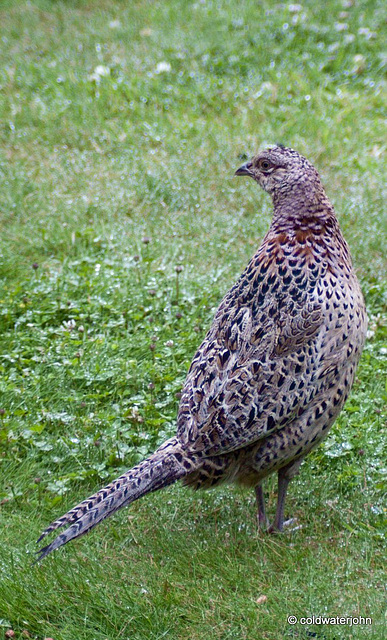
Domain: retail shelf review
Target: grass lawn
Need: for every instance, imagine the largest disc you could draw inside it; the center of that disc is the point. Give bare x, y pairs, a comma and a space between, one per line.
122, 124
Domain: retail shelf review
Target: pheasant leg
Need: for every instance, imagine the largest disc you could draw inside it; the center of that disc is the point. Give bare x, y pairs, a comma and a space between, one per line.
284, 476
263, 521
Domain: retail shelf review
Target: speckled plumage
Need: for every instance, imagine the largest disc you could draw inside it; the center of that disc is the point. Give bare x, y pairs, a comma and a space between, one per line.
276, 366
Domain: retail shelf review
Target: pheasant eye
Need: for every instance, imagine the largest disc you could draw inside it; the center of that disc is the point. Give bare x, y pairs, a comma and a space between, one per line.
265, 165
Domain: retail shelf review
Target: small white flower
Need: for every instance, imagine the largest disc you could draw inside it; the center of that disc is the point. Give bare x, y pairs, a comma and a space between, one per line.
69, 325
163, 67
169, 343
102, 71
114, 24
99, 72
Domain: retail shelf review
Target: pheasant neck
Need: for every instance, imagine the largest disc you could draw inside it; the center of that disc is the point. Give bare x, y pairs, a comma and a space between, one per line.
304, 213
311, 226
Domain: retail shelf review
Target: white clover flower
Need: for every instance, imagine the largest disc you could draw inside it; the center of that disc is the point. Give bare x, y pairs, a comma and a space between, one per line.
162, 67
99, 72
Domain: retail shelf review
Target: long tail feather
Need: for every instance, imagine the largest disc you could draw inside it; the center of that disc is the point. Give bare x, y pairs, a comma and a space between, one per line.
161, 469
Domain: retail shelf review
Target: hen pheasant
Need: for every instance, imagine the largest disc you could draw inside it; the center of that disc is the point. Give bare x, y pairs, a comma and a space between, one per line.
276, 366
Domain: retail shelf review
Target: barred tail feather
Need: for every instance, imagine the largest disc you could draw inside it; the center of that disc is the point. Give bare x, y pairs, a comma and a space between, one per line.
161, 469
89, 503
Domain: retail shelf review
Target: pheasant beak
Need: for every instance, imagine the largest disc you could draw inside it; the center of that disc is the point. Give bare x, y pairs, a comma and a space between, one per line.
244, 170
